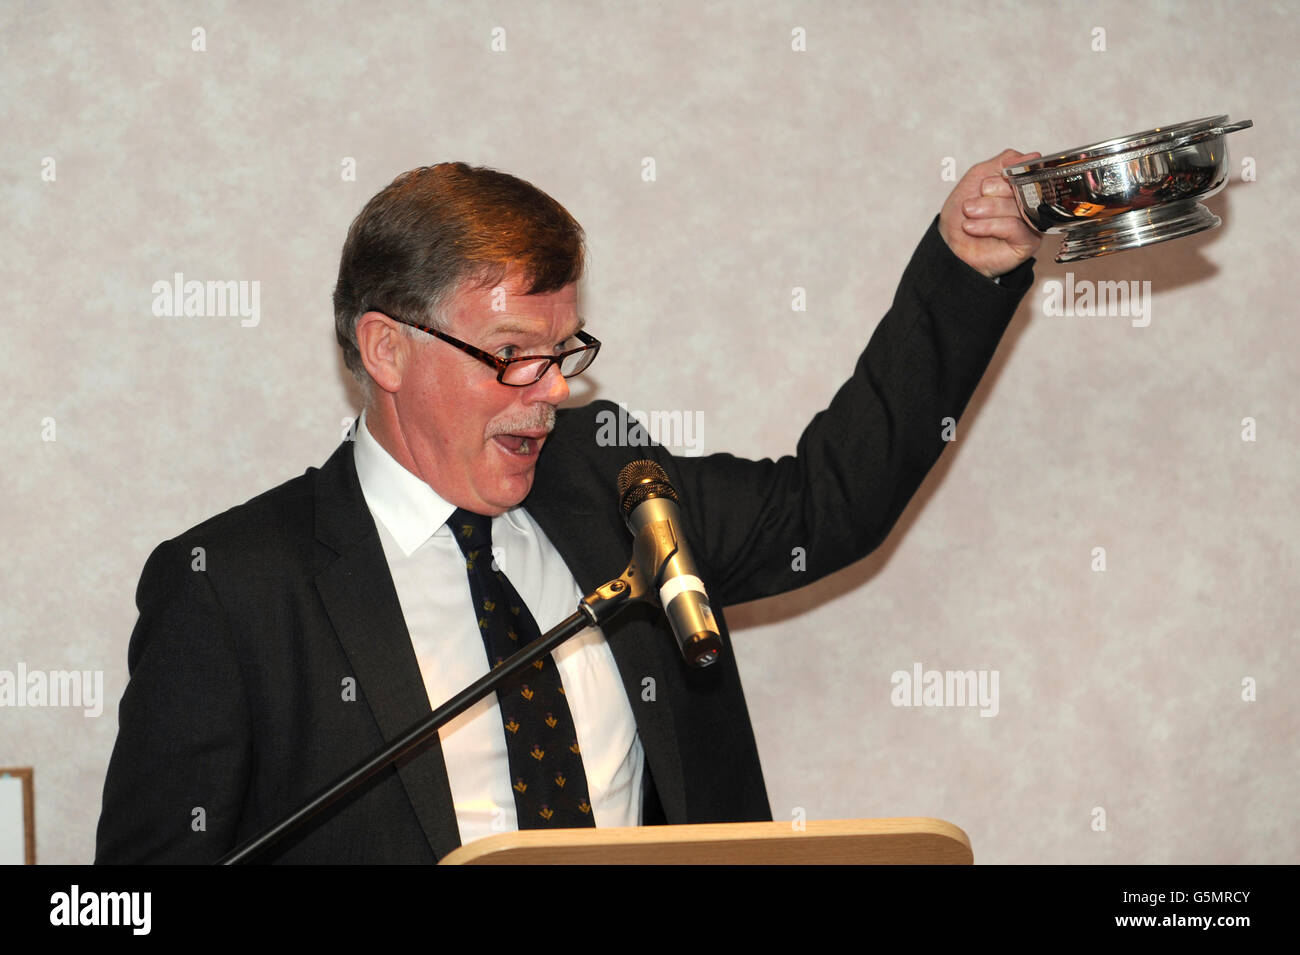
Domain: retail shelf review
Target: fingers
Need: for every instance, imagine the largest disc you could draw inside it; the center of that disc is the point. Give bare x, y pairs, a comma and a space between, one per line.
1008, 157
992, 207
995, 186
1012, 157
1011, 230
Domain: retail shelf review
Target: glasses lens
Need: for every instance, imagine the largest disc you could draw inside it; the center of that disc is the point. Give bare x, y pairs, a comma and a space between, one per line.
577, 362
520, 373
524, 372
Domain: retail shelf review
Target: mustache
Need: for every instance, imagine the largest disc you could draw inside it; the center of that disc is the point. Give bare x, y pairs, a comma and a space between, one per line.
541, 419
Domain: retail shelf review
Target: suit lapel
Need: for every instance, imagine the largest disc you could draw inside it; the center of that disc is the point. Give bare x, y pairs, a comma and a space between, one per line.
361, 602
358, 594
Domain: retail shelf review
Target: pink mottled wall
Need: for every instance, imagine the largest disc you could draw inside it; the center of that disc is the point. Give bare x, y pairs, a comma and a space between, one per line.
775, 169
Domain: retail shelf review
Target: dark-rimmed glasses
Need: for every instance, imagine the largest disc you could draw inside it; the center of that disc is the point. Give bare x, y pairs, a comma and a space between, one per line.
526, 369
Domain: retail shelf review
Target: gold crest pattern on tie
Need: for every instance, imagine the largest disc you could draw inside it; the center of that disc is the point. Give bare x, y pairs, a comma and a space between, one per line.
548, 779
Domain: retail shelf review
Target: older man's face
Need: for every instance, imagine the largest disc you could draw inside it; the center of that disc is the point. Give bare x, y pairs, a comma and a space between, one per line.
474, 440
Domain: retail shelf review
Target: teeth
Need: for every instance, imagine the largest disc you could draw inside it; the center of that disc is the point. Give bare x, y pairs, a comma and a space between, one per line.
524, 448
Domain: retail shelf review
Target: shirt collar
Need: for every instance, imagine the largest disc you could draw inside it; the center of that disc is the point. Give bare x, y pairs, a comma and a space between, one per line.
410, 509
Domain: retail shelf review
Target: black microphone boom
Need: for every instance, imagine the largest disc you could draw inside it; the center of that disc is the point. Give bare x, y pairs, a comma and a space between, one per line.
650, 508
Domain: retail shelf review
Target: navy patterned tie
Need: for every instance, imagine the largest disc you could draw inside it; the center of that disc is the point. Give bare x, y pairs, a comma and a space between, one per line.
549, 782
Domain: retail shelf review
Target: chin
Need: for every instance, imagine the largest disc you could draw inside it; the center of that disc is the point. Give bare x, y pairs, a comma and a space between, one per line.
511, 490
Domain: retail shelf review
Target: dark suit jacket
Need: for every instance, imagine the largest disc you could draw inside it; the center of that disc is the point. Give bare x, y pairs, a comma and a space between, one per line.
236, 710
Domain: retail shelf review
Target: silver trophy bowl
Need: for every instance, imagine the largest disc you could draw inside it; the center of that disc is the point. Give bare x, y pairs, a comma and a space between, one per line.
1128, 192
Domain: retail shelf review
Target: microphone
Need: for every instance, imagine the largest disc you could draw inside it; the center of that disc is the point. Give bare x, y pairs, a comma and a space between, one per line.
649, 506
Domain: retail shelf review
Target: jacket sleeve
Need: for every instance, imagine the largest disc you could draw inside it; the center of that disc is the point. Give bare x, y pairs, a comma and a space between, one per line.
179, 769
765, 527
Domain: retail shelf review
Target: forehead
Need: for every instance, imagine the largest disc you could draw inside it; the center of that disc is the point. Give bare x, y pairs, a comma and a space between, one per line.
506, 308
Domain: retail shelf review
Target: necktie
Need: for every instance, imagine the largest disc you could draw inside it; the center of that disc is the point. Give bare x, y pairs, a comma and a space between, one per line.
548, 780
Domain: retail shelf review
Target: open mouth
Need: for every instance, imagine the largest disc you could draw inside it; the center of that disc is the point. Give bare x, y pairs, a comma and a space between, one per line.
522, 445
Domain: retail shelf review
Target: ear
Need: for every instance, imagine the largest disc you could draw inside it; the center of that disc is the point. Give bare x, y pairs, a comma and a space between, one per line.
385, 350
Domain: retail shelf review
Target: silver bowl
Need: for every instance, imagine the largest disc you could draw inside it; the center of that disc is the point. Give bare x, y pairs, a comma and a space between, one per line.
1128, 192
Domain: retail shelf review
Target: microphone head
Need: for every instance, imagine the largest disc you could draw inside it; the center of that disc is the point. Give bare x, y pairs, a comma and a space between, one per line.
640, 481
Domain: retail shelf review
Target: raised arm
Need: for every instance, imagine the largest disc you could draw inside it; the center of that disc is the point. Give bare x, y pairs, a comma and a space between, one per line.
859, 462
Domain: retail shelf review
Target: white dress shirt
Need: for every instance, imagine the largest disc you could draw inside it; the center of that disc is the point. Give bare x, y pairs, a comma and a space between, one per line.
428, 571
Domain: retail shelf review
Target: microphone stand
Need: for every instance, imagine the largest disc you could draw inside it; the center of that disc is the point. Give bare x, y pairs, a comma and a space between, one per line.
593, 610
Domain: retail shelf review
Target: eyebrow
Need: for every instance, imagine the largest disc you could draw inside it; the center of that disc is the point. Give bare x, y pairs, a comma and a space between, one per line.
508, 327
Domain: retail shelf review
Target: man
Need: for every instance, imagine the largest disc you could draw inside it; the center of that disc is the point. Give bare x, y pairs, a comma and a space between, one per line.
328, 615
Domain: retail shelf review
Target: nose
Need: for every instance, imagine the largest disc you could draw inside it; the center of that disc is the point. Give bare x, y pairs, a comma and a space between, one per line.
553, 388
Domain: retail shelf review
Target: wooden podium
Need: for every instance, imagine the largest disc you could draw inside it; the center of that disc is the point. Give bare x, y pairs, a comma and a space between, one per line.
907, 841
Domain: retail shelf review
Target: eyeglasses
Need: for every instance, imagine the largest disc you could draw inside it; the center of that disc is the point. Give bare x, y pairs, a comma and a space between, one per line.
526, 369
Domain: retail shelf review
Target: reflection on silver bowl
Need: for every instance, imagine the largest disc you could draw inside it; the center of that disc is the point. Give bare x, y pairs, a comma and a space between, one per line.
1127, 192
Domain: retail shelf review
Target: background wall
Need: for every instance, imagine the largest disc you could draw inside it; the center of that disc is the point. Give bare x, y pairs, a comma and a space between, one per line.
129, 156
